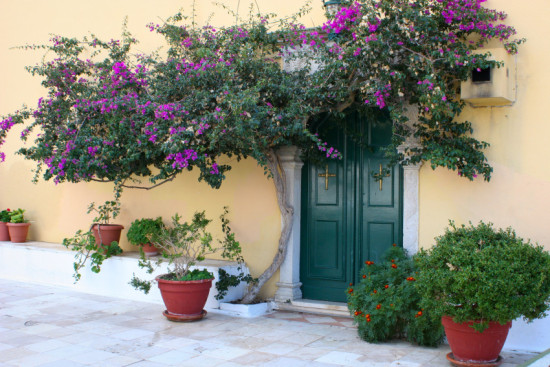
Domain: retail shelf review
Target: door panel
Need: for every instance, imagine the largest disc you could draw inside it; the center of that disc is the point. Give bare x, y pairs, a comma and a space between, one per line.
328, 250
351, 212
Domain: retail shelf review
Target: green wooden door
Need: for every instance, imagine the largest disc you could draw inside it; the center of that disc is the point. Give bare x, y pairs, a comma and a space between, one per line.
349, 214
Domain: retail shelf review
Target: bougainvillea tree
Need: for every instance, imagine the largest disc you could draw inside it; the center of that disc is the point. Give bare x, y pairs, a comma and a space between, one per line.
113, 116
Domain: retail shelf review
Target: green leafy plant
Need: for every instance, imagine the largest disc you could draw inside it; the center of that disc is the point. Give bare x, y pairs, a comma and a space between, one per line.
386, 305
86, 248
109, 210
17, 216
5, 215
231, 251
183, 245
144, 230
478, 273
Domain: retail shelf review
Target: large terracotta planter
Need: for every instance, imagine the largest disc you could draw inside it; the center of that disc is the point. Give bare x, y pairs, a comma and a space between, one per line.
4, 233
18, 231
106, 233
184, 300
470, 347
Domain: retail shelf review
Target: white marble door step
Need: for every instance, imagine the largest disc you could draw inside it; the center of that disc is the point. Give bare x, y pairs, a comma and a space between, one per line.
316, 307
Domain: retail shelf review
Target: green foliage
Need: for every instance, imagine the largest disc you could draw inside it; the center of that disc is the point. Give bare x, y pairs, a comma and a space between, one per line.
185, 244
386, 305
114, 115
87, 249
194, 274
17, 216
5, 216
231, 251
105, 212
480, 273
144, 230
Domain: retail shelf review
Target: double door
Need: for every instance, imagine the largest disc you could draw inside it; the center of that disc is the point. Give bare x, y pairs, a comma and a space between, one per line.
351, 208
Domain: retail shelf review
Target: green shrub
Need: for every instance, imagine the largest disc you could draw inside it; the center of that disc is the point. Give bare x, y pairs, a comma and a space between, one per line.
5, 216
17, 216
141, 231
479, 273
386, 305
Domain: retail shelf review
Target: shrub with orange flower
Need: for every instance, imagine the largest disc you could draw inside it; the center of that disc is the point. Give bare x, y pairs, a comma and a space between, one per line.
385, 303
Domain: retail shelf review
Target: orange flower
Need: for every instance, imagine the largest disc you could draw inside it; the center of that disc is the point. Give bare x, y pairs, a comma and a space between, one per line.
350, 284
394, 266
369, 263
375, 291
378, 306
364, 276
350, 290
386, 286
394, 245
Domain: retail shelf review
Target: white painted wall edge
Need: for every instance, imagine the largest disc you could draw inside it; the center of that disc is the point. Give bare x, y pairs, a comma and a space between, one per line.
38, 264
50, 266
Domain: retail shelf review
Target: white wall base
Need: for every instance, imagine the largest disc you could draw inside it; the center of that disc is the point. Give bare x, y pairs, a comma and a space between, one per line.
52, 264
532, 337
247, 311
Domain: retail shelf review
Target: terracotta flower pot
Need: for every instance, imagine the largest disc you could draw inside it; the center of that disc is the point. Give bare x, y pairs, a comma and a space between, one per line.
18, 231
472, 347
184, 300
150, 250
4, 232
107, 233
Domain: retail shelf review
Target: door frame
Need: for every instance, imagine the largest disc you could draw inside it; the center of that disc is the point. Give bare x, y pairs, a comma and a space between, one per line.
288, 287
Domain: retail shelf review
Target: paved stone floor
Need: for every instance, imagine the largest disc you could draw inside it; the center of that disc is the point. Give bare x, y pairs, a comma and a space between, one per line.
49, 326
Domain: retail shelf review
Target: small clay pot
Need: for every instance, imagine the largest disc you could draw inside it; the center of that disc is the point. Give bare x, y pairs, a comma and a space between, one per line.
150, 250
106, 233
18, 231
4, 232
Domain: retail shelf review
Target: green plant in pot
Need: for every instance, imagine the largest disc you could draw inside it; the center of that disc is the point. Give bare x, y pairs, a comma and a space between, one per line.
104, 232
479, 279
18, 226
100, 242
4, 219
141, 232
184, 289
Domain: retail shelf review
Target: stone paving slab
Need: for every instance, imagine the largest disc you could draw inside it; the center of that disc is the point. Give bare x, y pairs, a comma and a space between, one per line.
52, 326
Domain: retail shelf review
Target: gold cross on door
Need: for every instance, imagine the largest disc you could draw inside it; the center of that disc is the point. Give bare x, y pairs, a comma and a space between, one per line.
326, 175
383, 172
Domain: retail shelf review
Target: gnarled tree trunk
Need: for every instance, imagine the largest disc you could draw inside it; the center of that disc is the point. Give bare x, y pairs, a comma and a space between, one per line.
287, 212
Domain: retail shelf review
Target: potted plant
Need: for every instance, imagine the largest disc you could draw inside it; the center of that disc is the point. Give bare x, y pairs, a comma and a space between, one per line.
104, 232
18, 226
184, 290
141, 232
480, 279
4, 219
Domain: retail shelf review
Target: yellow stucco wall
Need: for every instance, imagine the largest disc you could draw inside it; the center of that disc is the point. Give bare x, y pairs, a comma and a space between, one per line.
57, 212
518, 195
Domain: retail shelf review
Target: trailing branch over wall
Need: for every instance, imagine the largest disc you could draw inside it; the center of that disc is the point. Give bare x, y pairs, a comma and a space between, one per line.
113, 116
